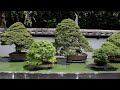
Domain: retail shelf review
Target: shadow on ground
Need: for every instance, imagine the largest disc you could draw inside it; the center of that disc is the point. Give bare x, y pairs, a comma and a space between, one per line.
101, 68
31, 68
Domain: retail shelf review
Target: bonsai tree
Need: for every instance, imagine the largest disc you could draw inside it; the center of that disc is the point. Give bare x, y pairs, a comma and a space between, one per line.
18, 35
41, 52
69, 38
100, 57
114, 39
110, 49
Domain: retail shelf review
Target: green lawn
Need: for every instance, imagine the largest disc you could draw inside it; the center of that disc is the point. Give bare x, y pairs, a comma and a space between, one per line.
71, 67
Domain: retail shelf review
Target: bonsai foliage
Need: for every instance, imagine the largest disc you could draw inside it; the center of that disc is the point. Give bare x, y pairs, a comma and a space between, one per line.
40, 52
110, 48
69, 38
113, 44
17, 34
115, 39
100, 55
104, 51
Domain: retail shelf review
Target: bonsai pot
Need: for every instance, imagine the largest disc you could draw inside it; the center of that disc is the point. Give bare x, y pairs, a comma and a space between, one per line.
45, 65
114, 58
15, 56
99, 63
77, 57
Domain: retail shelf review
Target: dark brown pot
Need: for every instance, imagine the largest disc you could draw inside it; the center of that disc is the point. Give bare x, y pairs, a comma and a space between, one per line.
114, 58
99, 63
17, 56
43, 66
77, 57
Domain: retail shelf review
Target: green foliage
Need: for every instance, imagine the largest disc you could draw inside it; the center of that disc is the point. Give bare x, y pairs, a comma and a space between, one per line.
100, 55
41, 51
69, 37
111, 48
17, 34
27, 15
87, 19
115, 39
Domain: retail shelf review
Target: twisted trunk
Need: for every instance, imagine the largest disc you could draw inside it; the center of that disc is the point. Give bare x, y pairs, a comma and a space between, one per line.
18, 48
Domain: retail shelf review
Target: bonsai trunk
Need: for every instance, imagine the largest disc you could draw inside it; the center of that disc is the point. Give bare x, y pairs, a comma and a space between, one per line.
18, 55
18, 48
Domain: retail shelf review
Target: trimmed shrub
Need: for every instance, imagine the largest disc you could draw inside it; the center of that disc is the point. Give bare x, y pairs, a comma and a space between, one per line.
40, 52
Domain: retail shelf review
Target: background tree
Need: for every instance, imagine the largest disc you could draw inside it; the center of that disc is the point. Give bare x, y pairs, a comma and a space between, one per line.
49, 19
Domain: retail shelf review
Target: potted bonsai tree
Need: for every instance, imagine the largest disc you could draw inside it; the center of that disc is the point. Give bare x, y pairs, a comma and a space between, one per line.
41, 54
70, 41
100, 57
115, 39
18, 35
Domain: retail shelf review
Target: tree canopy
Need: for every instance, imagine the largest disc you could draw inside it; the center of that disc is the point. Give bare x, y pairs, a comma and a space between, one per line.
49, 19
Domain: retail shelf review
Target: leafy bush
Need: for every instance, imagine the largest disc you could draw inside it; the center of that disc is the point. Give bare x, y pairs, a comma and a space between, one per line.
69, 38
40, 52
100, 55
17, 34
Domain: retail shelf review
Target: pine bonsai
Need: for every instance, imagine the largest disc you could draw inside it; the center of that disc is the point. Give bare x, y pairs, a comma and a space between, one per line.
110, 48
69, 38
18, 35
115, 39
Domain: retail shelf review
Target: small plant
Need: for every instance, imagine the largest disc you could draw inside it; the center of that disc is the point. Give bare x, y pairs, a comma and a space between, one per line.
18, 35
68, 38
100, 57
41, 52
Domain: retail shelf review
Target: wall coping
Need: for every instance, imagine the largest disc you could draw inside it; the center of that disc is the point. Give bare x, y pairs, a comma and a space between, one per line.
59, 75
86, 32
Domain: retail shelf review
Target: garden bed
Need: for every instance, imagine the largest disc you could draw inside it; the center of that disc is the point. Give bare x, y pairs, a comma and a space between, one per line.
68, 67
16, 70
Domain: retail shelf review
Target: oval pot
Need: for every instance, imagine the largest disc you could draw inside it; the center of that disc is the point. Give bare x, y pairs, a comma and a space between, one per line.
99, 63
43, 66
17, 56
77, 57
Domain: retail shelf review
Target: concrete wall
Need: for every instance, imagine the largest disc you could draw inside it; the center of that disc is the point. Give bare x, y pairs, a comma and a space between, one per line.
94, 42
60, 75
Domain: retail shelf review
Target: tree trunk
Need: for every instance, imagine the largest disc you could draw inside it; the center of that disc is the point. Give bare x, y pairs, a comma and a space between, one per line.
18, 48
2, 20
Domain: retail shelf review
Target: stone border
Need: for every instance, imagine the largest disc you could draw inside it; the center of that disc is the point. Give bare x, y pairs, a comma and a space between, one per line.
59, 75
